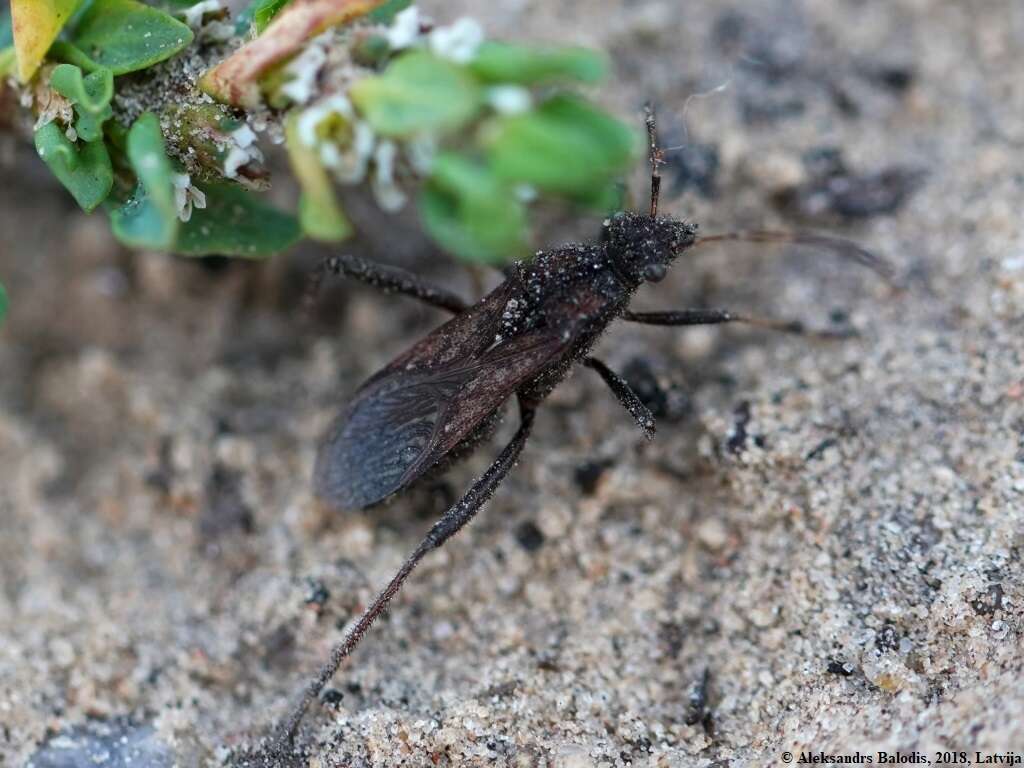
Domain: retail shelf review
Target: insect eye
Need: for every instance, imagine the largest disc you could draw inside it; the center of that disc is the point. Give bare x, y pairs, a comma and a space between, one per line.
654, 273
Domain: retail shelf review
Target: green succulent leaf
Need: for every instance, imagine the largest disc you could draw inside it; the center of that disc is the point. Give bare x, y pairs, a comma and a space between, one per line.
418, 93
8, 62
257, 15
566, 146
116, 136
525, 65
88, 126
147, 154
150, 218
471, 213
236, 222
125, 36
4, 303
91, 92
84, 171
36, 24
321, 219
319, 213
6, 30
371, 51
243, 21
264, 11
139, 223
386, 13
608, 198
62, 50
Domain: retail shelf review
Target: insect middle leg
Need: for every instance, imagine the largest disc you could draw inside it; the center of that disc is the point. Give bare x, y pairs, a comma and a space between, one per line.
625, 395
460, 513
387, 279
719, 316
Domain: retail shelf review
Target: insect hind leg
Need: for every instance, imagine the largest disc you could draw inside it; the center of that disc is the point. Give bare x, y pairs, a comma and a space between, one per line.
450, 523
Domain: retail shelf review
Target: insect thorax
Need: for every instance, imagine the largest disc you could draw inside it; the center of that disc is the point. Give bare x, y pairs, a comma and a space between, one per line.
560, 288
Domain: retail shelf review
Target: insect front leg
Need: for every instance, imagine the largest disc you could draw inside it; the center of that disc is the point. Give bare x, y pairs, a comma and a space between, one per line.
385, 278
629, 399
719, 316
450, 523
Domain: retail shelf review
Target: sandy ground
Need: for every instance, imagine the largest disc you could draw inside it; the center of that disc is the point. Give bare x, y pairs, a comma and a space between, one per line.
820, 552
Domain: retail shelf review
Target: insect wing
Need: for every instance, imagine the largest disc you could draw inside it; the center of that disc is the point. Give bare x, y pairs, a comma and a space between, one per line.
497, 375
369, 449
370, 446
403, 423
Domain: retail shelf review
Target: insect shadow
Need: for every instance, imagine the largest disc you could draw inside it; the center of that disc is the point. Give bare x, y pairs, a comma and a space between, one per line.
441, 398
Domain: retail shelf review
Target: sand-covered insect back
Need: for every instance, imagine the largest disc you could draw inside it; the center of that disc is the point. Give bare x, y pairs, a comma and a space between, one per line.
365, 93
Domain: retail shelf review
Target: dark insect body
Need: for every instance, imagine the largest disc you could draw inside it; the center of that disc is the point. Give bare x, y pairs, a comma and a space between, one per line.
438, 398
441, 398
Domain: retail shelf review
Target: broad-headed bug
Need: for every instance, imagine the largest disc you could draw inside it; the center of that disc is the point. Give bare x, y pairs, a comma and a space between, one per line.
438, 400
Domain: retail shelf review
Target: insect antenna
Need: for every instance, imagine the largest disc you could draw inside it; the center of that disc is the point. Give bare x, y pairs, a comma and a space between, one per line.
841, 247
657, 157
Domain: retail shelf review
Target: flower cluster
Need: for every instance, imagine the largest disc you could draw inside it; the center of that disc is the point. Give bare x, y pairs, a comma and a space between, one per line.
347, 145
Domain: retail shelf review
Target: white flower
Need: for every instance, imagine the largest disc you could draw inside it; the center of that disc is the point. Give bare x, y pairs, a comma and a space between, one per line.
217, 32
421, 151
237, 157
351, 167
348, 163
509, 99
244, 137
186, 196
525, 193
194, 14
389, 196
304, 69
242, 152
405, 29
316, 114
459, 41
